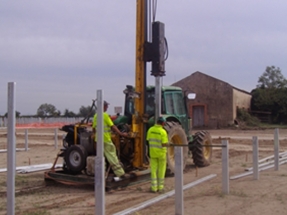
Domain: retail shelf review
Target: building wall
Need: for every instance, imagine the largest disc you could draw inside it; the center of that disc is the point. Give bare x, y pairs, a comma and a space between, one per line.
240, 100
215, 101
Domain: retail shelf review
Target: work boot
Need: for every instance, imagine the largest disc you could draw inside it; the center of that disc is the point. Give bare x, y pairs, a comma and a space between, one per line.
161, 191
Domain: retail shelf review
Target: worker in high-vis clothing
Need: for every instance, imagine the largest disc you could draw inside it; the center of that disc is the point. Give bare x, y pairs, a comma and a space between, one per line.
109, 147
157, 140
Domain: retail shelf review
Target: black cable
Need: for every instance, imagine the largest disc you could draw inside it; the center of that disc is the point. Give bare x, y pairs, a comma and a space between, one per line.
166, 49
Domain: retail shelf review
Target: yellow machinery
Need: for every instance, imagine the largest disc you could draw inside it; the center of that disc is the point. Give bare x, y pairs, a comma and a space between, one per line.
143, 104
137, 125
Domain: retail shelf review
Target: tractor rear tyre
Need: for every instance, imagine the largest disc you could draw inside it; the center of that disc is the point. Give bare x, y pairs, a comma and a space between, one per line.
176, 135
75, 159
201, 152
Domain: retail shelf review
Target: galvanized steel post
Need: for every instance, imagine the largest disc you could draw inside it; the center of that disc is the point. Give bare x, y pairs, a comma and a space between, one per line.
276, 149
225, 167
157, 97
178, 181
99, 161
255, 158
26, 139
11, 141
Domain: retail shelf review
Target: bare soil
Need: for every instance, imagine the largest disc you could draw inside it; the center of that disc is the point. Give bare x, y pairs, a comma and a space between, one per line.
268, 195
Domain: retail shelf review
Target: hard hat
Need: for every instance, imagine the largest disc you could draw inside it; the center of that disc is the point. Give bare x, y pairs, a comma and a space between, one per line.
106, 103
160, 120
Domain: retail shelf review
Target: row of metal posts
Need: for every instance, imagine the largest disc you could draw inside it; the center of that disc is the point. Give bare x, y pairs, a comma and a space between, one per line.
11, 153
225, 168
256, 154
179, 202
99, 161
27, 137
26, 147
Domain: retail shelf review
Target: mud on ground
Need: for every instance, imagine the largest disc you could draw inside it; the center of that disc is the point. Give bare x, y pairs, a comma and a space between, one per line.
268, 195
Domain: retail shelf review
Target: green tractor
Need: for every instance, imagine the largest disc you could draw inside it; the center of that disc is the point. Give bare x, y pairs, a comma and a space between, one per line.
178, 126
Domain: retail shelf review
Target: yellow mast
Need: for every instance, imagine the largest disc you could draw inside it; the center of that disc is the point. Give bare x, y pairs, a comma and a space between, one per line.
140, 82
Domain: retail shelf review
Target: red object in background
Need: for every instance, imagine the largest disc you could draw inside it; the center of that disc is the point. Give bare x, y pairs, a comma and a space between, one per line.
114, 117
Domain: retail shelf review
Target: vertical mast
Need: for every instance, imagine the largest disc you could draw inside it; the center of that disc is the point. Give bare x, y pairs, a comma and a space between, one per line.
140, 82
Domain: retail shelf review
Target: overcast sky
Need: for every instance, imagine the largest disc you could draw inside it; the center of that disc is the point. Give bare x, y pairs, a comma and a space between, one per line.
62, 51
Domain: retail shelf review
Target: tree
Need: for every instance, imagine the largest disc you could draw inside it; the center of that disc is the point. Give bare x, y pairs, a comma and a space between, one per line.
68, 113
57, 113
271, 94
47, 110
86, 111
17, 114
272, 78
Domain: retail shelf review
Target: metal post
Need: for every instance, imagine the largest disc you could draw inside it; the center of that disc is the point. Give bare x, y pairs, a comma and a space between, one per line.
178, 181
255, 158
11, 141
26, 139
276, 149
56, 138
157, 97
225, 167
99, 162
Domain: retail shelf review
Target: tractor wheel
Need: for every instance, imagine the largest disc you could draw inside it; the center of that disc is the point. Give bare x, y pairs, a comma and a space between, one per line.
201, 153
75, 158
176, 135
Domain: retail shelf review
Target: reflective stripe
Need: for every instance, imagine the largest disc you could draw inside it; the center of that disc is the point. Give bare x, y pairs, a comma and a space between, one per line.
154, 181
116, 166
156, 136
107, 128
153, 132
161, 181
108, 123
154, 140
154, 184
155, 146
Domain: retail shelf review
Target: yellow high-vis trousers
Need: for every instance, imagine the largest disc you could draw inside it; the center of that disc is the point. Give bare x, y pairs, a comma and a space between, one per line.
111, 155
158, 168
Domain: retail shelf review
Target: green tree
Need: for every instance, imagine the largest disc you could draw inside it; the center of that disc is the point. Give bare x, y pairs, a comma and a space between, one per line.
280, 105
68, 113
17, 114
272, 78
57, 113
86, 111
271, 94
47, 110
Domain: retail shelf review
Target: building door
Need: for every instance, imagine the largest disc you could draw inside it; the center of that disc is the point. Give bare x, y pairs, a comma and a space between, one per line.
198, 116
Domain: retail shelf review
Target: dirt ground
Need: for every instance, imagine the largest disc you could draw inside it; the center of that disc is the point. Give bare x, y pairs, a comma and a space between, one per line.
268, 195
